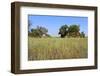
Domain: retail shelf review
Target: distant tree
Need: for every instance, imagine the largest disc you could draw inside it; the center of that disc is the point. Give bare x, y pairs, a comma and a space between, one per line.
35, 33
63, 30
82, 34
73, 31
43, 30
38, 32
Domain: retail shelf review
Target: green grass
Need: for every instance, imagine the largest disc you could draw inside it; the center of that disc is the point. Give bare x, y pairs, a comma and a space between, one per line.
57, 48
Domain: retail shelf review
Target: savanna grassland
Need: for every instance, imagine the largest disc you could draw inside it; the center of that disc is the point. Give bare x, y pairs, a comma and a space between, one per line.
57, 48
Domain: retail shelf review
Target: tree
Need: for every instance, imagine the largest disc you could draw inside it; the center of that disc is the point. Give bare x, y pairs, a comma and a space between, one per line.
43, 30
63, 31
38, 32
35, 33
73, 31
82, 34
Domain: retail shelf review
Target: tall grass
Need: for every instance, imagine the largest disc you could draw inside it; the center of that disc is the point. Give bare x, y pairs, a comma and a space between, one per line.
57, 48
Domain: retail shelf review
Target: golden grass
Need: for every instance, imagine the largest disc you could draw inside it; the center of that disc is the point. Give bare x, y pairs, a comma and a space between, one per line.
57, 48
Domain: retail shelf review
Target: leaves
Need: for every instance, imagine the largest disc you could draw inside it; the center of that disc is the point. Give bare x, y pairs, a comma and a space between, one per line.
71, 31
63, 30
38, 32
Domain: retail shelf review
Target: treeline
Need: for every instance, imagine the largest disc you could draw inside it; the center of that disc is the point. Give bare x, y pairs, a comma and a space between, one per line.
38, 32
70, 31
64, 31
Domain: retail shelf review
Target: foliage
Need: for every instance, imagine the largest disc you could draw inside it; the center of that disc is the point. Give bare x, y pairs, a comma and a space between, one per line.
43, 30
63, 30
38, 32
73, 28
82, 34
73, 31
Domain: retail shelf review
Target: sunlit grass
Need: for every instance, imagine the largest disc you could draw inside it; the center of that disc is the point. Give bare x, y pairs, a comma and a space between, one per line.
57, 48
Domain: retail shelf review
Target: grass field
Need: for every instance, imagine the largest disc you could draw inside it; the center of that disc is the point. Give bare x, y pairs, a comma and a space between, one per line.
57, 48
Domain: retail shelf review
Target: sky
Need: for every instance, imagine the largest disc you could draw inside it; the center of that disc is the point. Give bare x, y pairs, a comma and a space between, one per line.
53, 23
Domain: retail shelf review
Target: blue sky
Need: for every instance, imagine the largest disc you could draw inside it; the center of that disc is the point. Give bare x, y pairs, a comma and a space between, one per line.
53, 23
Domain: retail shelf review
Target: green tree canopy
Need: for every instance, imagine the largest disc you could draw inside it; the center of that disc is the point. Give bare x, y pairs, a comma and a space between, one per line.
39, 31
63, 30
82, 34
43, 30
73, 30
